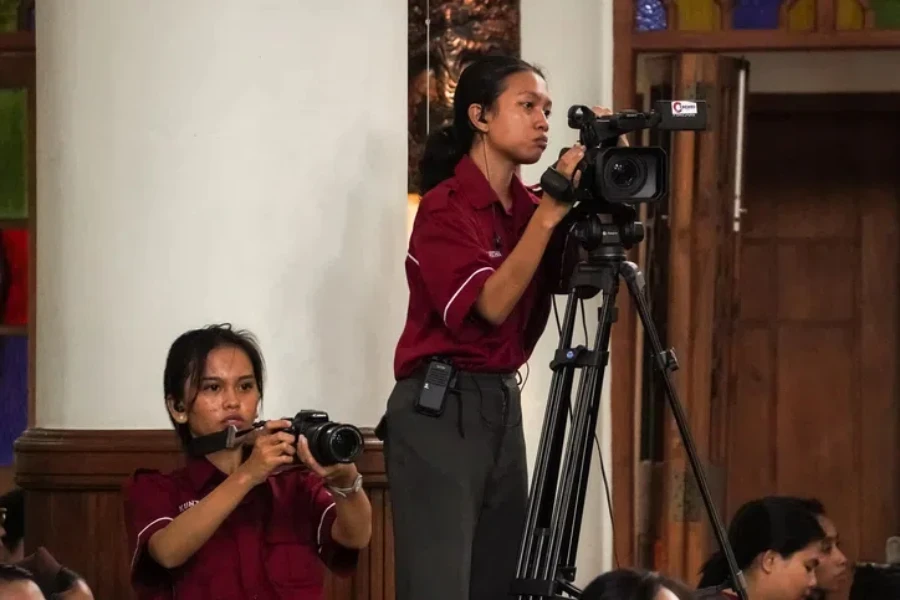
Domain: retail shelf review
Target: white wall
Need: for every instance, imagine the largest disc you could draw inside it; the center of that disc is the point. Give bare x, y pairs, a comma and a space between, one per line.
219, 160
571, 40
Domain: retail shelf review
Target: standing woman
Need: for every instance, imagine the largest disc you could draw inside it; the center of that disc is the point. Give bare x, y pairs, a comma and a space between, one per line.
484, 258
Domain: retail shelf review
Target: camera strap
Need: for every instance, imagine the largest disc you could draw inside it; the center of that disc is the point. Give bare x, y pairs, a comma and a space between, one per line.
226, 439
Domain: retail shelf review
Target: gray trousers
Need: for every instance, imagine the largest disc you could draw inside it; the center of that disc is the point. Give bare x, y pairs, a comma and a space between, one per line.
458, 489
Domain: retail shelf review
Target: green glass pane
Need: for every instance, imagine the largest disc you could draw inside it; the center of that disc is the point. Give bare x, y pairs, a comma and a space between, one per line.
13, 155
887, 13
9, 15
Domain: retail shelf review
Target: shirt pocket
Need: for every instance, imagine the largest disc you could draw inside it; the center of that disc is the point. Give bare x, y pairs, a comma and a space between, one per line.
292, 560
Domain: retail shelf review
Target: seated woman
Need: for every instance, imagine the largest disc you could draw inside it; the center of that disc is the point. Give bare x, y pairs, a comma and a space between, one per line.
244, 522
834, 571
630, 584
776, 543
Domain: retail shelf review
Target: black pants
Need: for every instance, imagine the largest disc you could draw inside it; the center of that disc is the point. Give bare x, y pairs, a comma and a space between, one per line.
458, 489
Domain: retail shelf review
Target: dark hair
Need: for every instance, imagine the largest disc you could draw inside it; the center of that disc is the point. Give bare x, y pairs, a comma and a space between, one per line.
778, 523
631, 584
481, 82
10, 573
187, 360
14, 503
813, 505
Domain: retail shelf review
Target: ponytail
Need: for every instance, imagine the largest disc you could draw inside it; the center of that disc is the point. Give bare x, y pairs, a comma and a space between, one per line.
443, 150
714, 572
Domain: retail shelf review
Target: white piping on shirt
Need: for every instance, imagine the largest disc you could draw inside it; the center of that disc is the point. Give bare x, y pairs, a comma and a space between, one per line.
321, 523
465, 283
138, 544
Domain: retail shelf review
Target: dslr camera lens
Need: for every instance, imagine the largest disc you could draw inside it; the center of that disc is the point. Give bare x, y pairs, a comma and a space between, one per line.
329, 443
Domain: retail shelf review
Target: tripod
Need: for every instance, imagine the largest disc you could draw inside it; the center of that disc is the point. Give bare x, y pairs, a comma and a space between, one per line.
546, 562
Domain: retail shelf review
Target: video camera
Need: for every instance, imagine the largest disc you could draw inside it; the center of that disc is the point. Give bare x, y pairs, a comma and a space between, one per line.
613, 175
330, 443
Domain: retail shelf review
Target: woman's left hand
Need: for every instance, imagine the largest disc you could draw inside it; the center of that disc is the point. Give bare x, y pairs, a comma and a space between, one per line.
602, 111
339, 475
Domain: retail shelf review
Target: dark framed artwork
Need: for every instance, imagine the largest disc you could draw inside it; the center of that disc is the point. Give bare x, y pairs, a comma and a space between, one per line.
458, 33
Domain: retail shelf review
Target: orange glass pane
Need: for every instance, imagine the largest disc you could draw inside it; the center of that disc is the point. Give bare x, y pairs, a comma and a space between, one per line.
802, 15
850, 15
698, 15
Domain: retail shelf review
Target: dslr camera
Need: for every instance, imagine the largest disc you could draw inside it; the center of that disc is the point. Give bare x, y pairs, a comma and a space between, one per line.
613, 175
330, 443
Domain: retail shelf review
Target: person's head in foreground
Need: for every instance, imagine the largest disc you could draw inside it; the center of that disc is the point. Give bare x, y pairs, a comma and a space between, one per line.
777, 544
631, 584
12, 526
834, 568
18, 584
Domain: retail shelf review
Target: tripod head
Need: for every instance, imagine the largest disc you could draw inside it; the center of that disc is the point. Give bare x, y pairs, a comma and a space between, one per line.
616, 227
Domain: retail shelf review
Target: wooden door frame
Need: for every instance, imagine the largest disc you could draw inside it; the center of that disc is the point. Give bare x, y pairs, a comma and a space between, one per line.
624, 346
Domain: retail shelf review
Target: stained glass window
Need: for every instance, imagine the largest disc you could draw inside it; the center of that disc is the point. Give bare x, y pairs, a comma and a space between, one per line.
756, 14
802, 15
13, 393
698, 15
650, 15
9, 15
850, 15
13, 348
14, 276
887, 13
13, 153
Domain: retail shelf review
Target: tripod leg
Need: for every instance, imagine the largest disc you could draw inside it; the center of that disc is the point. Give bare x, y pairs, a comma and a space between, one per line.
594, 388
664, 361
546, 469
567, 511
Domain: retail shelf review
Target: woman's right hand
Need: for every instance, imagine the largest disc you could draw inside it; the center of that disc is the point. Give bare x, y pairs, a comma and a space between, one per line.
551, 211
271, 449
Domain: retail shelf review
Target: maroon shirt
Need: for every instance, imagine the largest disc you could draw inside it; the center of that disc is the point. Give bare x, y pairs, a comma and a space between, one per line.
273, 545
461, 235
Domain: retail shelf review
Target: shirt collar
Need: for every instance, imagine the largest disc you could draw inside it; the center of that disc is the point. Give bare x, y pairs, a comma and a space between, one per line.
201, 472
479, 191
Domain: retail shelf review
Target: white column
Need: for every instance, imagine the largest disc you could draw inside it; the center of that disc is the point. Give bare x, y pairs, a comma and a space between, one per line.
219, 160
571, 40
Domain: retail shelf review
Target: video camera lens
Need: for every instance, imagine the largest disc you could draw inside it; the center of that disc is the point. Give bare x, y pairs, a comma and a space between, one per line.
625, 174
330, 443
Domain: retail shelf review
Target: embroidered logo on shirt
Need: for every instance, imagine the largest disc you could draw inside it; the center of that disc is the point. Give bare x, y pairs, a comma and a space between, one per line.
495, 254
187, 505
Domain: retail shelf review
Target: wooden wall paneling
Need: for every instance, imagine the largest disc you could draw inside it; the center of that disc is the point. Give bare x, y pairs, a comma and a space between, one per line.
706, 231
624, 385
72, 481
816, 409
681, 201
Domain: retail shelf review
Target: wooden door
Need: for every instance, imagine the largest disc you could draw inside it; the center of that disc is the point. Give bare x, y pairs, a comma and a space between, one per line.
816, 406
690, 259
